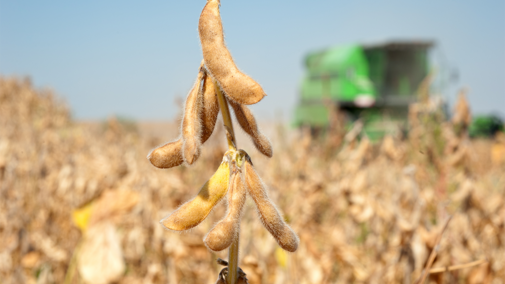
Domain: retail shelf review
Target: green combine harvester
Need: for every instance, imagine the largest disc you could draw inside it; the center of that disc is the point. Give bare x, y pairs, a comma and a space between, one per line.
486, 126
374, 83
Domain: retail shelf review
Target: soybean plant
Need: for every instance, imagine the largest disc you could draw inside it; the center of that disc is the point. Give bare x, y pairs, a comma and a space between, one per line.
219, 83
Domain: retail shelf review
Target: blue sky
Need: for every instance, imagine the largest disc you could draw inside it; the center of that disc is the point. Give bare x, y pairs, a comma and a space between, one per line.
134, 58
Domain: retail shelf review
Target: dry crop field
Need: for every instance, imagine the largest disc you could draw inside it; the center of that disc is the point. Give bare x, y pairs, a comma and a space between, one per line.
80, 203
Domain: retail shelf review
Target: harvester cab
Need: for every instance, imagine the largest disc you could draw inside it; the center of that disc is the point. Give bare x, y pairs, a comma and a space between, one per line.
375, 83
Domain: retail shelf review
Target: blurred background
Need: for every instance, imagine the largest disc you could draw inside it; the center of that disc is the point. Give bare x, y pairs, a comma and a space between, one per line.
121, 57
386, 118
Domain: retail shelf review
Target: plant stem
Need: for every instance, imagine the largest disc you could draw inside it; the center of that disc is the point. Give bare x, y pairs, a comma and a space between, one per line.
433, 254
225, 111
69, 275
233, 261
457, 267
232, 143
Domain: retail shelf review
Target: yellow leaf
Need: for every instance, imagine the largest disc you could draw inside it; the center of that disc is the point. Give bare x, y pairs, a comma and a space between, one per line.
81, 216
282, 257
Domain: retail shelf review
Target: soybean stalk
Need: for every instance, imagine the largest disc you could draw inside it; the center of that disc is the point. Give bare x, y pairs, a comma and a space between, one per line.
232, 144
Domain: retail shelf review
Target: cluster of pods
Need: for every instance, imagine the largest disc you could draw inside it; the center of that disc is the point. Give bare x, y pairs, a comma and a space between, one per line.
237, 178
236, 175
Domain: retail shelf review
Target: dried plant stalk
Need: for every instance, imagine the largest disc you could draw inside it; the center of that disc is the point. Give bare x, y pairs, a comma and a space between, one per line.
210, 108
218, 60
191, 122
168, 155
193, 212
226, 231
268, 213
248, 123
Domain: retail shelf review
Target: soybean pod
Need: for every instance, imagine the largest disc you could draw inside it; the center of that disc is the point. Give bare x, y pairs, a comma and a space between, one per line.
210, 108
191, 122
193, 212
248, 123
168, 155
227, 230
268, 213
236, 85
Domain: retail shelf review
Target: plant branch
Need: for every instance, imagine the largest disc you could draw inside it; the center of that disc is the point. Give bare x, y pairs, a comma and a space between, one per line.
433, 254
457, 267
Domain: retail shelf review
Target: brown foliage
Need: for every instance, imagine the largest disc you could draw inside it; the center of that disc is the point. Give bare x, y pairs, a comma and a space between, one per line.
363, 214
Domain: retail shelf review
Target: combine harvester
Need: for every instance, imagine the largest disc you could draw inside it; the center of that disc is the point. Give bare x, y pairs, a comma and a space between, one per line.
374, 83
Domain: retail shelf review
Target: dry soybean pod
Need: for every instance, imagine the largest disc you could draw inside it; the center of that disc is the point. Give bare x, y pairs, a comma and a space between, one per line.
226, 230
193, 212
248, 123
210, 108
191, 122
268, 213
218, 60
168, 155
